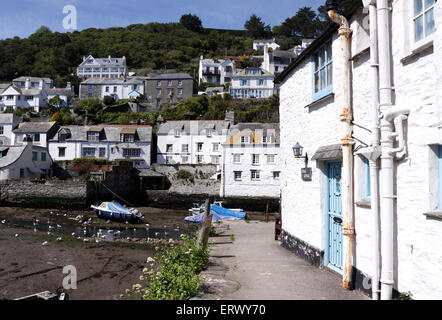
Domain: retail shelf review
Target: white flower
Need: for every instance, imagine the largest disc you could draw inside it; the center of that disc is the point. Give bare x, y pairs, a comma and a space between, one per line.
150, 259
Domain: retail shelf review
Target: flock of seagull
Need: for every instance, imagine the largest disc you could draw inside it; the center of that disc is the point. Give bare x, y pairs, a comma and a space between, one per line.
101, 233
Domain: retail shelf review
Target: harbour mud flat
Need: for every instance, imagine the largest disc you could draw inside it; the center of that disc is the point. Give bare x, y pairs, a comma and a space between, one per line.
33, 254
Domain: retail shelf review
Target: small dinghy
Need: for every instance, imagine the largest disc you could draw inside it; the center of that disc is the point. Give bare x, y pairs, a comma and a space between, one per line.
115, 211
219, 214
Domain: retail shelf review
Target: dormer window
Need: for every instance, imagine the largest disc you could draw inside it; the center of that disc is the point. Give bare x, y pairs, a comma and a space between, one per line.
209, 132
128, 135
93, 136
177, 132
128, 138
267, 139
245, 139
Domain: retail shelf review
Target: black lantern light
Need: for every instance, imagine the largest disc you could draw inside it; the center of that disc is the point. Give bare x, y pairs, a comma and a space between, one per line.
297, 150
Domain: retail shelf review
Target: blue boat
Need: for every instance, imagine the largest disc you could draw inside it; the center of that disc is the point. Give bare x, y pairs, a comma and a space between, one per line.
115, 211
219, 214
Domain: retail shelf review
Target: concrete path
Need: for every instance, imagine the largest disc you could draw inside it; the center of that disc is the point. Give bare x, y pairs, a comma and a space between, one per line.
246, 263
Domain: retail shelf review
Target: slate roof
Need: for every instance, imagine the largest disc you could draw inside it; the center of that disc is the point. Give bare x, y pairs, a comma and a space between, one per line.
25, 92
149, 173
193, 126
256, 130
112, 81
29, 127
13, 154
33, 79
109, 133
243, 74
59, 91
170, 76
6, 117
328, 152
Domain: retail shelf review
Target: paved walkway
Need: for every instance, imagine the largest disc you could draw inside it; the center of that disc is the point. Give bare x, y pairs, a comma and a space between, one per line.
247, 263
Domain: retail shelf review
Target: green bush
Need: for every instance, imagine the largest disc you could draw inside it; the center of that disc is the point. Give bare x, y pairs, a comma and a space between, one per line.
98, 162
172, 274
184, 175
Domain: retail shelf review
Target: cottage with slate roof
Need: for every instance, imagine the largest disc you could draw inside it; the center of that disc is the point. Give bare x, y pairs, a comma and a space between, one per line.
251, 162
215, 71
24, 97
122, 88
8, 122
252, 83
168, 88
191, 142
109, 142
26, 161
38, 132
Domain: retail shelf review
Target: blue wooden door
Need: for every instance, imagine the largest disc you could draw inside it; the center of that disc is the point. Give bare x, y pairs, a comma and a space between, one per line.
334, 220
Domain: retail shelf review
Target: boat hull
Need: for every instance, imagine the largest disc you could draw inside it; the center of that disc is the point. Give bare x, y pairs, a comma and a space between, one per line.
119, 216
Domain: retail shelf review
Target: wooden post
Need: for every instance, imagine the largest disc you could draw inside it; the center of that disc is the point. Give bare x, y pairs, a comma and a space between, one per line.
267, 212
203, 236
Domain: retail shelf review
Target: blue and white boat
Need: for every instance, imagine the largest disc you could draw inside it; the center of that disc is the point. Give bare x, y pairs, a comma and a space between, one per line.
219, 214
115, 211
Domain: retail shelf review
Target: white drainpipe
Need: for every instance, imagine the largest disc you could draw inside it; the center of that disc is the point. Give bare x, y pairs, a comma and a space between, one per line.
389, 114
347, 145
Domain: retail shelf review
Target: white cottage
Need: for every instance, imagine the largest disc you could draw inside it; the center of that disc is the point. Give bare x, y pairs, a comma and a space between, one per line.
251, 161
252, 83
191, 142
27, 97
8, 122
369, 120
39, 132
26, 161
110, 142
215, 71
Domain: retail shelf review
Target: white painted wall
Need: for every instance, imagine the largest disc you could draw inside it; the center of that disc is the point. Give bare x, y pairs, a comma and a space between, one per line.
25, 161
266, 186
113, 150
20, 101
416, 80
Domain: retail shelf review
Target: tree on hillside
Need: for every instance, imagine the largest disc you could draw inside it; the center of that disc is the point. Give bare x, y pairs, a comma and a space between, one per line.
191, 22
343, 6
257, 28
305, 24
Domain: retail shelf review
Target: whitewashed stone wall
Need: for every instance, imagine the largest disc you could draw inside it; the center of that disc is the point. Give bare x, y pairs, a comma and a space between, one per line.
266, 186
417, 82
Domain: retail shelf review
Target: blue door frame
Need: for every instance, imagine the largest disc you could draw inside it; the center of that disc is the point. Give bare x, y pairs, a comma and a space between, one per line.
333, 253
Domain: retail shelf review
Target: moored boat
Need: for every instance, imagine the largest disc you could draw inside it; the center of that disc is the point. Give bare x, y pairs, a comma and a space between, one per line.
115, 211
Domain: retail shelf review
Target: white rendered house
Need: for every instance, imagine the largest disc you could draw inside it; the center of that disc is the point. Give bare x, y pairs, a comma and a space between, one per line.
215, 71
261, 44
26, 161
251, 163
102, 67
122, 88
252, 83
27, 97
191, 142
38, 132
109, 142
8, 122
403, 255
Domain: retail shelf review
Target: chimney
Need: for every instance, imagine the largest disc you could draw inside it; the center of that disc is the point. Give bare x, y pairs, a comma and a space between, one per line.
40, 84
230, 117
109, 58
28, 83
84, 58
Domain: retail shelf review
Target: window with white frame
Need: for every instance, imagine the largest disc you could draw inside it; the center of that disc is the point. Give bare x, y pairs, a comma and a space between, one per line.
130, 153
267, 139
423, 19
255, 175
93, 136
255, 159
158, 83
180, 83
215, 147
271, 158
169, 159
236, 158
61, 152
88, 152
169, 83
102, 153
199, 147
237, 175
245, 139
322, 71
199, 158
180, 92
177, 132
209, 132
169, 148
158, 92
185, 148
184, 159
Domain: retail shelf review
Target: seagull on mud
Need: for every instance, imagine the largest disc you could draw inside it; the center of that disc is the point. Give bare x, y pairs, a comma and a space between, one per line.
3, 221
59, 239
44, 243
16, 235
73, 233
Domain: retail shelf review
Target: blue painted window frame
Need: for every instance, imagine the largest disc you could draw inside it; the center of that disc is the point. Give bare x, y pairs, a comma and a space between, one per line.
440, 176
34, 156
367, 193
323, 65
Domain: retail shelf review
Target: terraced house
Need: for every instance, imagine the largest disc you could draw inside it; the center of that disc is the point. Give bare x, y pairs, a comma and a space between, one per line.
168, 88
252, 83
110, 142
122, 88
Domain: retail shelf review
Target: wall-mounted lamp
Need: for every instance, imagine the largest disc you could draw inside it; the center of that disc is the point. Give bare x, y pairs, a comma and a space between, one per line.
306, 173
297, 151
